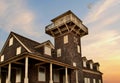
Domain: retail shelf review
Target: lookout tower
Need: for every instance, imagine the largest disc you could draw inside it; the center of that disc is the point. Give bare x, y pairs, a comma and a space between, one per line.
67, 30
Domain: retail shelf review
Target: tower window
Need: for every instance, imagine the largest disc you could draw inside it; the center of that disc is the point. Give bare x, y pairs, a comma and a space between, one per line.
58, 52
65, 39
47, 50
11, 41
78, 48
18, 50
2, 58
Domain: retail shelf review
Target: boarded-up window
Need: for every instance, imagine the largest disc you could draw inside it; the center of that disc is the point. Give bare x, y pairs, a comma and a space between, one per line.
11, 41
94, 81
41, 74
84, 63
18, 75
65, 39
78, 48
56, 76
2, 58
58, 52
18, 50
47, 50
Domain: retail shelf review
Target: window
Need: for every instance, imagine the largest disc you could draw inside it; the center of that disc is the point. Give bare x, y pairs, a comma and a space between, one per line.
100, 81
18, 50
65, 39
11, 41
47, 50
84, 63
91, 66
94, 81
41, 74
56, 76
97, 68
74, 64
78, 48
18, 75
2, 58
58, 52
86, 80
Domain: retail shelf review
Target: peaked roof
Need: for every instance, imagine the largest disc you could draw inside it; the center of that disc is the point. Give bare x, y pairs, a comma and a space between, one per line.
27, 43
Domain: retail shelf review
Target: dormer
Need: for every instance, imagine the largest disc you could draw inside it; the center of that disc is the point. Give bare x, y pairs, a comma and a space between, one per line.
90, 64
96, 66
45, 48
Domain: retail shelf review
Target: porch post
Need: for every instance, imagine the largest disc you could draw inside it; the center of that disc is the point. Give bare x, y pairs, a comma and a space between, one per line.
66, 75
0, 74
76, 76
9, 73
26, 70
51, 80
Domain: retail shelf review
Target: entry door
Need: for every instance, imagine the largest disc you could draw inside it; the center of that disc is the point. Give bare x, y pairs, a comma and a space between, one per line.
18, 75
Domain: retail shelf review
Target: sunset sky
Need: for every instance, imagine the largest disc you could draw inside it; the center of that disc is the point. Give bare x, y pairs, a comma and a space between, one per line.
102, 17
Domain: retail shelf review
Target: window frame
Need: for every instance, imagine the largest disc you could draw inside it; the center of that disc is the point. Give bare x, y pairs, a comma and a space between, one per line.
47, 50
2, 58
65, 39
11, 41
18, 50
59, 52
44, 74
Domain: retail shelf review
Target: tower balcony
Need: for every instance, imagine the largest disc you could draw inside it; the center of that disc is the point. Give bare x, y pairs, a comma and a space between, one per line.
66, 22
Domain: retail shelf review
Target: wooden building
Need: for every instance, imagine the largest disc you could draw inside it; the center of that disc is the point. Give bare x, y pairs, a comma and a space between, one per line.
23, 60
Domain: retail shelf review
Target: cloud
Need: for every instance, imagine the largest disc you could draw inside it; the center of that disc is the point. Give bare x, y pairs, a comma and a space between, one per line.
102, 43
15, 16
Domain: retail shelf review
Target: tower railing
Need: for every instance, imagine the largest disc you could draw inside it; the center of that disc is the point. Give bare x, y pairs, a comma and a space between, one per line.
66, 19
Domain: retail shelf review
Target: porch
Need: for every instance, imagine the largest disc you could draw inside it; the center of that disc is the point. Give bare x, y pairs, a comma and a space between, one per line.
36, 69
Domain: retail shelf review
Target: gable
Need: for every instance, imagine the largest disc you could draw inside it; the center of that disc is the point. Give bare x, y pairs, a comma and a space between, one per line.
10, 47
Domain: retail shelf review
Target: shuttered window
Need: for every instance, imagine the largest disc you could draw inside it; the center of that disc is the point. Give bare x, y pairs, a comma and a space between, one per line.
58, 52
2, 58
65, 39
47, 50
11, 41
18, 50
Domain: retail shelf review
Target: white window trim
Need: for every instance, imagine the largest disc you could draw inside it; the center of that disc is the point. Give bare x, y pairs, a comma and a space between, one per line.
59, 52
40, 76
18, 50
65, 39
18, 75
11, 41
47, 50
2, 58
86, 80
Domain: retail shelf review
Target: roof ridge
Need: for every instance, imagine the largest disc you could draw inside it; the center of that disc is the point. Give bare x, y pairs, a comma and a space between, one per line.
25, 37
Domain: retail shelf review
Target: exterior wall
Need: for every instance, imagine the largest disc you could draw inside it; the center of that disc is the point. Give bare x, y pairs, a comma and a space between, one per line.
93, 76
10, 51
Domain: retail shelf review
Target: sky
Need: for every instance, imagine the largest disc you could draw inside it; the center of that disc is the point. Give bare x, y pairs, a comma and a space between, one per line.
102, 17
